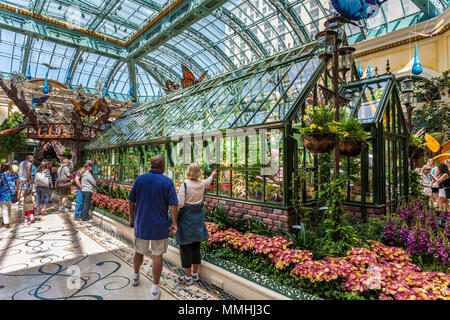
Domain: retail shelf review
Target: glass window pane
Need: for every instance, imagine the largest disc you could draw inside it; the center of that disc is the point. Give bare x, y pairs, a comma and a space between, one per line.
239, 182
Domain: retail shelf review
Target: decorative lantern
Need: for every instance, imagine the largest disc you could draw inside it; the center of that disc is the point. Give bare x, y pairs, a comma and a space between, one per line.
326, 41
336, 24
345, 60
407, 86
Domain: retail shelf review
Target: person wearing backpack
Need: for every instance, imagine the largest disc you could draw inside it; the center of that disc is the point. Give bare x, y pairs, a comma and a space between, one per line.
43, 181
64, 184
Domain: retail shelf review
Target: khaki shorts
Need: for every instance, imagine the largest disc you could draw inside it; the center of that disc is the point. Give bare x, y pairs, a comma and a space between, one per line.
158, 248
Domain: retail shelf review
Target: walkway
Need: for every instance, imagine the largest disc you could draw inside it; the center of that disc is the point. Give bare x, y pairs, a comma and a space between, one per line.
59, 258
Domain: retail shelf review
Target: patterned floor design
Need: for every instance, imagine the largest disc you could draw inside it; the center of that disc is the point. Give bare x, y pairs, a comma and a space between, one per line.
41, 261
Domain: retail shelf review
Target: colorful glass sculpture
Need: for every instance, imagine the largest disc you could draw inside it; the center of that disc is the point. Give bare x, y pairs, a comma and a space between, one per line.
417, 66
357, 9
360, 70
45, 88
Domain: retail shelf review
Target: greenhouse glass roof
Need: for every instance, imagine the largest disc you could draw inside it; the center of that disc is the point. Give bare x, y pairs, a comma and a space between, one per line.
261, 93
143, 43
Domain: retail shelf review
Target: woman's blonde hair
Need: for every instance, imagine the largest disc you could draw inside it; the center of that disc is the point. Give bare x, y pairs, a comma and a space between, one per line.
193, 172
43, 166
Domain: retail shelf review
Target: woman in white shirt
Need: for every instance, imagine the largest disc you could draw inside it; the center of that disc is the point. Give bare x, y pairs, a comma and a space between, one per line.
426, 181
191, 222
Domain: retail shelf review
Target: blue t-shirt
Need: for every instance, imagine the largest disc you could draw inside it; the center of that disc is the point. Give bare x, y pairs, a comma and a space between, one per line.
153, 193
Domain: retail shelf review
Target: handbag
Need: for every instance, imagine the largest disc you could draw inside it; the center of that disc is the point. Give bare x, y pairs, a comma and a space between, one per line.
41, 179
63, 183
180, 211
13, 196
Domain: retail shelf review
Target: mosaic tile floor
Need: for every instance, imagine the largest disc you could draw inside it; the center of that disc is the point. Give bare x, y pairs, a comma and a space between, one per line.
59, 258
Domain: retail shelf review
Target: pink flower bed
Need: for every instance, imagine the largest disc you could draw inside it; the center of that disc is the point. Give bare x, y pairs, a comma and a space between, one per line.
104, 202
383, 268
112, 205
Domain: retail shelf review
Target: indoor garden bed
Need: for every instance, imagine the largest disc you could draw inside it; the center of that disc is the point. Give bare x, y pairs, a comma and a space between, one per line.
415, 268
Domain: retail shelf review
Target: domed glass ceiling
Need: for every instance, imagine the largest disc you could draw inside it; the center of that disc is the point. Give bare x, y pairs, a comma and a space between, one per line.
117, 37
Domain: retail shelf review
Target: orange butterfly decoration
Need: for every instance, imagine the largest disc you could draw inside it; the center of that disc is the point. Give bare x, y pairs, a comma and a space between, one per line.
83, 112
172, 86
189, 78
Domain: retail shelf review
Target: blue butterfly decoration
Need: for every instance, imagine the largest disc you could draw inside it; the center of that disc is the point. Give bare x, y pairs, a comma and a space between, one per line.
40, 101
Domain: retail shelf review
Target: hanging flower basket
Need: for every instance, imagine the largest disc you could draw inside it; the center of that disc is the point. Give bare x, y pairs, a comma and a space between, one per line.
351, 148
319, 142
415, 152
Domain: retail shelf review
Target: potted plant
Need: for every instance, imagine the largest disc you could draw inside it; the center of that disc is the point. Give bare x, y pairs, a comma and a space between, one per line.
351, 137
416, 146
318, 130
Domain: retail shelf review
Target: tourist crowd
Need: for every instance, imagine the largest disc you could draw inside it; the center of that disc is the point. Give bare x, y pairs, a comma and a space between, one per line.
31, 186
436, 183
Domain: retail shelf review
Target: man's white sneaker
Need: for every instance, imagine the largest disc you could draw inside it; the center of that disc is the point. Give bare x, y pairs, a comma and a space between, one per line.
156, 294
134, 280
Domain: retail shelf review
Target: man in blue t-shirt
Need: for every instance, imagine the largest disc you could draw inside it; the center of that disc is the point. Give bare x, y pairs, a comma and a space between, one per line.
151, 196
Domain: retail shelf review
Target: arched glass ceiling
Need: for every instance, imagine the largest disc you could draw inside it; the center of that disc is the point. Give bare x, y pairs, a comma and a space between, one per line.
55, 55
12, 52
147, 86
92, 68
121, 81
237, 33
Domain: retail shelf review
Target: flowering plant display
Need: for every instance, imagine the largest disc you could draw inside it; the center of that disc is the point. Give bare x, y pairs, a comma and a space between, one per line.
318, 119
387, 272
351, 129
416, 227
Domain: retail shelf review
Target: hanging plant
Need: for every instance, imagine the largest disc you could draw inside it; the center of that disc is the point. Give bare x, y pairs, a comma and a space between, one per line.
351, 138
416, 146
318, 129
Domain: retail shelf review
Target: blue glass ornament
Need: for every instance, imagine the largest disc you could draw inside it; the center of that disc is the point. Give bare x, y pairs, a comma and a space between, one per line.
370, 71
29, 73
32, 101
45, 89
417, 66
360, 70
68, 74
131, 90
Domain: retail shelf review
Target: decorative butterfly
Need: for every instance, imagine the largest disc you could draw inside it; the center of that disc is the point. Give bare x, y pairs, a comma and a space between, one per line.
189, 78
40, 101
172, 86
83, 112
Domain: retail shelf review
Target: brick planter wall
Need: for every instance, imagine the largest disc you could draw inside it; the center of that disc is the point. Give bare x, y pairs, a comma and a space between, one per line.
270, 216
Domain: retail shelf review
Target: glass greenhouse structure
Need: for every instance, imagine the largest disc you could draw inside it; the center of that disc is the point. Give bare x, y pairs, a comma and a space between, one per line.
241, 123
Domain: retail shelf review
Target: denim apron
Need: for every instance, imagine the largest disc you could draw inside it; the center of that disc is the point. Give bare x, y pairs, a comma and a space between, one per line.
191, 224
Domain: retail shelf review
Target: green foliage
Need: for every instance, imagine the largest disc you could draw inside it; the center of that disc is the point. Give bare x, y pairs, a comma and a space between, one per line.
222, 218
318, 119
432, 115
415, 185
373, 229
339, 236
256, 225
351, 129
13, 142
416, 141
113, 192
